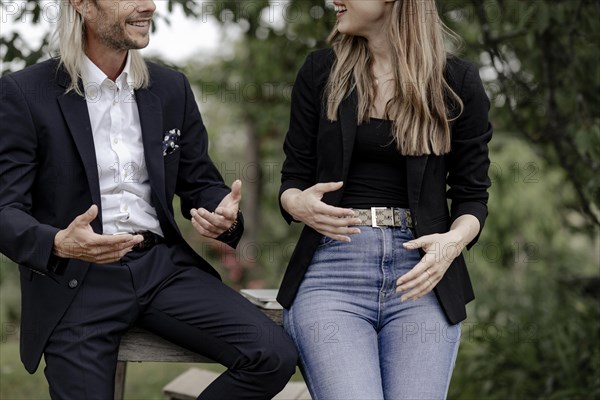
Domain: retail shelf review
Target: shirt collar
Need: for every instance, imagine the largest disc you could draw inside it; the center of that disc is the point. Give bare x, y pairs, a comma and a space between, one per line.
92, 75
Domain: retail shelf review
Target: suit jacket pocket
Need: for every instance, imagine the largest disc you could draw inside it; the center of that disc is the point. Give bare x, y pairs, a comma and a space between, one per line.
26, 273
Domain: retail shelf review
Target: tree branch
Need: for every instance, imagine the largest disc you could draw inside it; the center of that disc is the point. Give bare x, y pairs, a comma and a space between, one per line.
558, 136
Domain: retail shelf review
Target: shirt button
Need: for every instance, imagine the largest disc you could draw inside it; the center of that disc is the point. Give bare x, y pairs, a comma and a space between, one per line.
73, 283
115, 141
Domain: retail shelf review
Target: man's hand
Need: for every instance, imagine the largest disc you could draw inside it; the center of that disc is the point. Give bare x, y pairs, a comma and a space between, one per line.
212, 225
79, 241
306, 206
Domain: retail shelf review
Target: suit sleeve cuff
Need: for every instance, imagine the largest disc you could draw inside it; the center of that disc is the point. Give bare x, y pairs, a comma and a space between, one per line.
290, 184
48, 260
233, 236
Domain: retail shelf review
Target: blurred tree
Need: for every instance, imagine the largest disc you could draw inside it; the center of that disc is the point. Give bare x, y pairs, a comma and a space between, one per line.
255, 83
542, 58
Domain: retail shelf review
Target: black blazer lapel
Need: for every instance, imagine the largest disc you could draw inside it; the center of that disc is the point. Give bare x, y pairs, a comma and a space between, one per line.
415, 171
348, 121
150, 110
75, 112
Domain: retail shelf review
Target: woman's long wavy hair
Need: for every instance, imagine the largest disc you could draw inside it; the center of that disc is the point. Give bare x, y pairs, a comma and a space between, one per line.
417, 108
70, 44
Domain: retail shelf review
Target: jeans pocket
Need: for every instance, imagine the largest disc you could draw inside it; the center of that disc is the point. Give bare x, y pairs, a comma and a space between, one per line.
409, 233
326, 241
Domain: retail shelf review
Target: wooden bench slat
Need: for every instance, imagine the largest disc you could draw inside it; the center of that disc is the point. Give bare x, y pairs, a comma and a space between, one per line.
138, 345
192, 382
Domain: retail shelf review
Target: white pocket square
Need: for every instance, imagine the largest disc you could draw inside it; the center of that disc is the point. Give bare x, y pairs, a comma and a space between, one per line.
170, 141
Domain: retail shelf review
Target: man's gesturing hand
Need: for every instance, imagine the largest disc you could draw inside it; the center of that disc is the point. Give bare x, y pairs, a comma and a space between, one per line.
306, 206
212, 225
80, 241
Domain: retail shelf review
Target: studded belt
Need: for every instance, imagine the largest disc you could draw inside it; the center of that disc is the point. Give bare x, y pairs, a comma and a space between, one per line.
384, 216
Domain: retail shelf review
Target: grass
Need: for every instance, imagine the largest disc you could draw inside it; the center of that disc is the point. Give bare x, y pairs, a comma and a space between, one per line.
15, 382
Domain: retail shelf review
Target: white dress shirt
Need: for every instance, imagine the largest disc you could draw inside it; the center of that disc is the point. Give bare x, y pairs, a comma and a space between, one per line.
124, 185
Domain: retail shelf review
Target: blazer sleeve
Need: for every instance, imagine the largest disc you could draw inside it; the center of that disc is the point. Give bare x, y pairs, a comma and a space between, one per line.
300, 164
199, 183
22, 238
468, 161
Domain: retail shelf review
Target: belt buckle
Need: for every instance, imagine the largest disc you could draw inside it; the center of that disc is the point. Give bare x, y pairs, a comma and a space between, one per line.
374, 216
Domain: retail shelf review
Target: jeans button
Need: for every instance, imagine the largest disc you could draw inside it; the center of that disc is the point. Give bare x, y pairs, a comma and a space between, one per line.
73, 283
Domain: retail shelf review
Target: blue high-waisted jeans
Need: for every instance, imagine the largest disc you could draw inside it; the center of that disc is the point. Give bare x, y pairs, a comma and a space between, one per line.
355, 338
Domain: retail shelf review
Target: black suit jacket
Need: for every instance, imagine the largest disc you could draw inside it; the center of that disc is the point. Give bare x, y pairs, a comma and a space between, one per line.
49, 175
318, 150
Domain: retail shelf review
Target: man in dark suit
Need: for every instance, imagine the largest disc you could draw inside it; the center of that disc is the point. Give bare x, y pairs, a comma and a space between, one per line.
94, 146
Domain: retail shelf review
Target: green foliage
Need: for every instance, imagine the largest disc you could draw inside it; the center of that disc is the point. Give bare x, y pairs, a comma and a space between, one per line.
543, 58
253, 84
532, 330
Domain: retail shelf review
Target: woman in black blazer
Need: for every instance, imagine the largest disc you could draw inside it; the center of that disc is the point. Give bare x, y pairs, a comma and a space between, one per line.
385, 127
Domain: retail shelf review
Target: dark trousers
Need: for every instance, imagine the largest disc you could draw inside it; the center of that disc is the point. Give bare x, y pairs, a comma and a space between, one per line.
162, 291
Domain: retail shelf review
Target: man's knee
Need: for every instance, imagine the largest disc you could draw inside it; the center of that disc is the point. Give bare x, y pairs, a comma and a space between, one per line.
277, 355
287, 356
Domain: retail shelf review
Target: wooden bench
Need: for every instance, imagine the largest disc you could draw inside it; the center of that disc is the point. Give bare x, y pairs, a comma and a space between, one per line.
139, 345
193, 381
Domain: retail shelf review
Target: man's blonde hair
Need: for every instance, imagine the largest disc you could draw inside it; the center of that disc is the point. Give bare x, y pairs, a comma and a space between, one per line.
70, 38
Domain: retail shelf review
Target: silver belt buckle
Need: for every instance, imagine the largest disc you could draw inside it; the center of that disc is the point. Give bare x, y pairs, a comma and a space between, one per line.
374, 216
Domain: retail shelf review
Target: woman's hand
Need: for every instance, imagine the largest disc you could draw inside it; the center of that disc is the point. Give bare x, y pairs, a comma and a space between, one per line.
306, 206
440, 250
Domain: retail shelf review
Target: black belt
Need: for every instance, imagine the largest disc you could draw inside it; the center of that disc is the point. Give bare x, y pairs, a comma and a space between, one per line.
151, 239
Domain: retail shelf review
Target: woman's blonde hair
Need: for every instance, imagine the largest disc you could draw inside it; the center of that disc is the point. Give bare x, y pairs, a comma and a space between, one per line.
70, 38
417, 107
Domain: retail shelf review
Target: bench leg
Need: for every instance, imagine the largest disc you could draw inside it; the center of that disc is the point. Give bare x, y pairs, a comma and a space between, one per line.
120, 380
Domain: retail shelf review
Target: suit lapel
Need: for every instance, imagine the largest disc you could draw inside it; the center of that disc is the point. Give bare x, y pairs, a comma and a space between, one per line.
75, 112
150, 110
415, 171
348, 122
